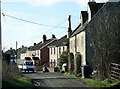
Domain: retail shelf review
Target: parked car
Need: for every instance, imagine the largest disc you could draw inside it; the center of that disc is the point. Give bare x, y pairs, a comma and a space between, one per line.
28, 66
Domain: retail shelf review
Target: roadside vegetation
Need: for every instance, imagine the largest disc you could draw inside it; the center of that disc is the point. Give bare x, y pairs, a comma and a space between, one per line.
13, 78
102, 83
72, 74
95, 82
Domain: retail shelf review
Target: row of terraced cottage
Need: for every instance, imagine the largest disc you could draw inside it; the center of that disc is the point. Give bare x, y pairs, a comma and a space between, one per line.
96, 39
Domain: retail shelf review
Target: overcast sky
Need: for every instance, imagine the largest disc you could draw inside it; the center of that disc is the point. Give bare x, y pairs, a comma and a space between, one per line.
46, 12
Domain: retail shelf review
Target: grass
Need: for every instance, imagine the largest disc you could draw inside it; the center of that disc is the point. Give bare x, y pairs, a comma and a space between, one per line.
71, 74
21, 82
94, 82
98, 83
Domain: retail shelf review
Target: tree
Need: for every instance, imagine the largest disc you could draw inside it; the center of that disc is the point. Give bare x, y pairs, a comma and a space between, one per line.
63, 58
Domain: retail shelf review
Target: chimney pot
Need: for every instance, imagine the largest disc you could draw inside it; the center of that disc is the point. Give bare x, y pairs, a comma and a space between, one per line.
22, 46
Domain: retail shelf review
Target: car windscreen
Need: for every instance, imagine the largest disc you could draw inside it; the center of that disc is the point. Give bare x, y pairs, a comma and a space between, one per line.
29, 63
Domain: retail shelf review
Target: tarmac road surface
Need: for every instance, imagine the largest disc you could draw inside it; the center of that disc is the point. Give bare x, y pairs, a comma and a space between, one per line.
54, 80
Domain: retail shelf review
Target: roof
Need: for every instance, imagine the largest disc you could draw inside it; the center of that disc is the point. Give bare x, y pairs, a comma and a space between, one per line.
60, 42
84, 14
10, 51
21, 50
95, 6
40, 45
79, 29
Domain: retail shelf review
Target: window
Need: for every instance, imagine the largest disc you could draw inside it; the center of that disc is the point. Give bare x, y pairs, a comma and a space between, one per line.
59, 50
54, 50
54, 62
51, 51
38, 52
63, 48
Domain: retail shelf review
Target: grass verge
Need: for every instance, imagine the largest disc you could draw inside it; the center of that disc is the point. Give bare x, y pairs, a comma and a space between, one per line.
98, 83
21, 82
72, 74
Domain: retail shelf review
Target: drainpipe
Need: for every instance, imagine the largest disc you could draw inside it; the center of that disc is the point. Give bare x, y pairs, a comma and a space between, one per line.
75, 60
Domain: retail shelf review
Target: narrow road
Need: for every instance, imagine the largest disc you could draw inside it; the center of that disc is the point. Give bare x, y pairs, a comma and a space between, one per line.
54, 80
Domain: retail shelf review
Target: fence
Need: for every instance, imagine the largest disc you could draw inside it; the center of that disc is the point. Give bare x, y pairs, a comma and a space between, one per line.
115, 71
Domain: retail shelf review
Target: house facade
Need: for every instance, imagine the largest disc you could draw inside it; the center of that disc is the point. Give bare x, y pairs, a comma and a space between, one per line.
56, 49
103, 32
40, 50
79, 41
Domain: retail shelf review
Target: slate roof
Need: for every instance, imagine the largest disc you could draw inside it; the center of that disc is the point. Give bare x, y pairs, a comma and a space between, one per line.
79, 29
11, 51
60, 42
41, 45
21, 50
84, 15
95, 6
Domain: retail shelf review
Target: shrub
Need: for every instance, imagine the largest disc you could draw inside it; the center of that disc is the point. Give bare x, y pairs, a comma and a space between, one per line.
63, 58
9, 71
78, 64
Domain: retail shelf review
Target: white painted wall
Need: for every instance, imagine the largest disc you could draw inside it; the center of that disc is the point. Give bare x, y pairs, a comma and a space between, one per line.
57, 54
81, 45
72, 45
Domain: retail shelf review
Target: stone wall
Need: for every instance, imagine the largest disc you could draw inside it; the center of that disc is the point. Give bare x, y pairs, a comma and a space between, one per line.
104, 30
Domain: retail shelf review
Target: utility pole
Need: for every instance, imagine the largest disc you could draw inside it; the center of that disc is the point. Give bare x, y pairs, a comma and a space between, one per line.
69, 33
0, 49
16, 49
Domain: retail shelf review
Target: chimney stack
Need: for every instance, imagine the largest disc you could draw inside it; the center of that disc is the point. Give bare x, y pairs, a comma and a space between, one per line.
53, 36
34, 44
44, 38
22, 46
69, 27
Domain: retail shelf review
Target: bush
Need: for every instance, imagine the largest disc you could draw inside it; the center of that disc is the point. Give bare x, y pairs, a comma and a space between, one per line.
78, 63
63, 58
56, 69
9, 71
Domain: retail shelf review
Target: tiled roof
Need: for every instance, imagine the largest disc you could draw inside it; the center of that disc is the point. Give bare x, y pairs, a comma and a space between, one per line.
79, 29
40, 45
60, 42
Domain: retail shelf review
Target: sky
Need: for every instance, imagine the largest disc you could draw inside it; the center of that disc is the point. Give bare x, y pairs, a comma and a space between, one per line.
44, 12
